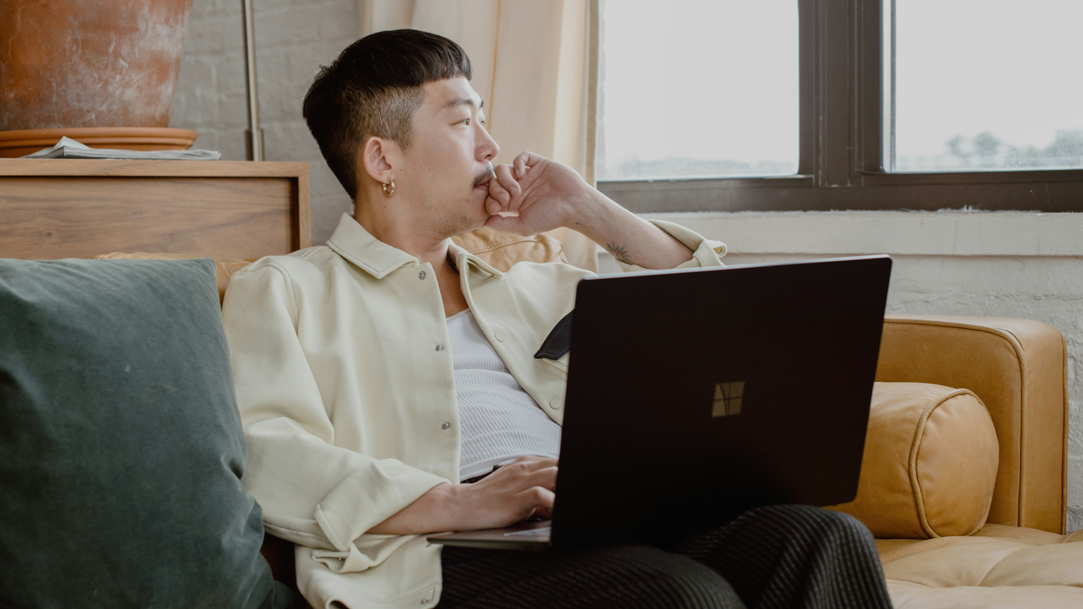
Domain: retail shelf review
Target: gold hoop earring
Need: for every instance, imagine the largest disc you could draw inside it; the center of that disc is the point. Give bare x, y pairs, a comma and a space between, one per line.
389, 188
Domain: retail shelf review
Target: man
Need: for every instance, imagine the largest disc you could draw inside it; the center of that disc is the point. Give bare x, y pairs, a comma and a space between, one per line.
388, 387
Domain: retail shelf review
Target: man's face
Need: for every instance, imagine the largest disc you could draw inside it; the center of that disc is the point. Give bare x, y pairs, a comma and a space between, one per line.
449, 162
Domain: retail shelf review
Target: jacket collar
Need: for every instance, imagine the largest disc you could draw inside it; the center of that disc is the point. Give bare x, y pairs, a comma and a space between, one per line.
351, 241
463, 258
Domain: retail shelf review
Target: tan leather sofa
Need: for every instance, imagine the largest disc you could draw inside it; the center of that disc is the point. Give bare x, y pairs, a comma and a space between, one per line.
964, 472
1020, 557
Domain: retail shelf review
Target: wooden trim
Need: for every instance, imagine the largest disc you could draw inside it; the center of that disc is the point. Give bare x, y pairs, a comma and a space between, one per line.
158, 169
64, 208
304, 207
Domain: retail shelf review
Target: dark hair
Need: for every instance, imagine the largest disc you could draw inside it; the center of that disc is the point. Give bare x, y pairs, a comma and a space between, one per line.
373, 89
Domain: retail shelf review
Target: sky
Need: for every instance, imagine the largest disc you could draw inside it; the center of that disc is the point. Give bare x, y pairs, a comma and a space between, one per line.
1014, 68
720, 85
718, 79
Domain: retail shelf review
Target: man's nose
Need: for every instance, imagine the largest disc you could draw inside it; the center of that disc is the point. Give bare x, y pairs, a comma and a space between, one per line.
488, 148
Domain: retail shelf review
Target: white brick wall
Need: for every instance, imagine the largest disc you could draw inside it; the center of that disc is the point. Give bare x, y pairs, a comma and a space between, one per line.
293, 38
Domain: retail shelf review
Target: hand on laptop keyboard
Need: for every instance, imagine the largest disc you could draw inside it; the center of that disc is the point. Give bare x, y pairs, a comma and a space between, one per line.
519, 490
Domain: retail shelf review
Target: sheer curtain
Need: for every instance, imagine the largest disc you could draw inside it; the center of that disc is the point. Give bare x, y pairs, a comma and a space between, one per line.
533, 64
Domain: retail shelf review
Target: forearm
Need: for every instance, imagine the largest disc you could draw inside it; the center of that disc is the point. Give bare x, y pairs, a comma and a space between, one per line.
629, 238
430, 513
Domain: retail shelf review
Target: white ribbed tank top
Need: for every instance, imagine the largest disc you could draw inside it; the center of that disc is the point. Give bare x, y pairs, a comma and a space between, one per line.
498, 421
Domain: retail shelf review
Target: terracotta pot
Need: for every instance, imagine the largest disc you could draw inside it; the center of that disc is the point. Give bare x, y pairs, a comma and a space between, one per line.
89, 63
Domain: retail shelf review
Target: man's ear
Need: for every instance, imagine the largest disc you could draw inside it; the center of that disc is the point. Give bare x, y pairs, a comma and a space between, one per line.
379, 159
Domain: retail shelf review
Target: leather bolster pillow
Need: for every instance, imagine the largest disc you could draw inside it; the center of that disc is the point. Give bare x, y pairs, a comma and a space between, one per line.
930, 463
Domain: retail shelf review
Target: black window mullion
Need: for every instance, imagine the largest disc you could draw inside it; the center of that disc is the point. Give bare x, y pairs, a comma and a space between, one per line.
868, 87
835, 95
808, 93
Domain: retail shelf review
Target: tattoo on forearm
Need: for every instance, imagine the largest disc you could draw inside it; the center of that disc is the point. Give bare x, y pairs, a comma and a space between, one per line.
619, 252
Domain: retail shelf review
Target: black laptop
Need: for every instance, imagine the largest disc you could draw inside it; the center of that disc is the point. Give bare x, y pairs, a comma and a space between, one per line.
696, 394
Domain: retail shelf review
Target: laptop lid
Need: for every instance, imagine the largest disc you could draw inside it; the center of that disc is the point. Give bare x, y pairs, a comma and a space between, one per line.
695, 394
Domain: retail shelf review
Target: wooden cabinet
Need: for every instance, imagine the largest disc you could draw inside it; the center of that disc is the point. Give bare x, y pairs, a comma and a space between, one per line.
66, 208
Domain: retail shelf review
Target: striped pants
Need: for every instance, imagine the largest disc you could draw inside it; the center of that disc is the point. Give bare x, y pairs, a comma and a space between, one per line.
774, 556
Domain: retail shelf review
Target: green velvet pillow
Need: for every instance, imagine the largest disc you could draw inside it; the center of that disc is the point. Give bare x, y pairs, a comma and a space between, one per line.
121, 451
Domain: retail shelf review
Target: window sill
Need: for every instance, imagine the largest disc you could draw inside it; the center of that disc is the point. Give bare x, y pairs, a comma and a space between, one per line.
903, 233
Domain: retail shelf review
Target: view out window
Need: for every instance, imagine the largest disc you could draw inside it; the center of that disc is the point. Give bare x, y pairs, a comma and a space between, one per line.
698, 88
985, 85
797, 105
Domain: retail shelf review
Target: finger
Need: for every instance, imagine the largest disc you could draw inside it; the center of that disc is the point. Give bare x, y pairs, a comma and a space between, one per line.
493, 207
540, 497
545, 478
529, 160
531, 463
498, 193
542, 461
507, 224
506, 181
520, 164
526, 474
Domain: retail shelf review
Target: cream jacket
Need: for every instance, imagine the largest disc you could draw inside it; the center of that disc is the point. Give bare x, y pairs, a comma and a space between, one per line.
345, 385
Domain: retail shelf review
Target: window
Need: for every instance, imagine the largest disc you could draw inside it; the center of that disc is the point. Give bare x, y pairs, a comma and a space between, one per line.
711, 113
902, 104
985, 85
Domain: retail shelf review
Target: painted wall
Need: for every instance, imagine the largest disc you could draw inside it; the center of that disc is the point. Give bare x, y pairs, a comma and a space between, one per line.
293, 38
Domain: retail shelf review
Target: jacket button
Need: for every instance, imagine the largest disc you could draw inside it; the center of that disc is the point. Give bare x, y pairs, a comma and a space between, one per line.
439, 347
498, 336
421, 275
445, 425
554, 404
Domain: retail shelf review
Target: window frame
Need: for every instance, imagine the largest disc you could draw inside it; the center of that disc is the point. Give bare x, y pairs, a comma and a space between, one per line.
841, 160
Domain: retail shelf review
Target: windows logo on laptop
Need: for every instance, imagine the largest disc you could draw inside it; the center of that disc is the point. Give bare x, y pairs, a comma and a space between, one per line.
727, 399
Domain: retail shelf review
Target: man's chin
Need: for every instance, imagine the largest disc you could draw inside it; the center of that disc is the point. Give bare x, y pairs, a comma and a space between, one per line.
461, 225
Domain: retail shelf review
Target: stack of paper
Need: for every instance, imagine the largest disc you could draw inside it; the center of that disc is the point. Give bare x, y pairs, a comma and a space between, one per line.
68, 148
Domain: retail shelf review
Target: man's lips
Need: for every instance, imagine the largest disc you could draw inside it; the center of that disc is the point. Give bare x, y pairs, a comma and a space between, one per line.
483, 180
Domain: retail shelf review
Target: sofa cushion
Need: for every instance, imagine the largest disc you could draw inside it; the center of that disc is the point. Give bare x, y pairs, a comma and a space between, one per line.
999, 567
121, 450
930, 463
225, 268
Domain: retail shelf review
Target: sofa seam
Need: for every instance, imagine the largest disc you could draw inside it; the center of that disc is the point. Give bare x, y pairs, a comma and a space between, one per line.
981, 582
1024, 403
1017, 348
919, 434
919, 499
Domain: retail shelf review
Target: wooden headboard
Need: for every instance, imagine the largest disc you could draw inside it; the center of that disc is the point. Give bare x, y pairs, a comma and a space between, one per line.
65, 208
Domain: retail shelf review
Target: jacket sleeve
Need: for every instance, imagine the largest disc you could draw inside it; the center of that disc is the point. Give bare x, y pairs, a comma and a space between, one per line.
704, 251
312, 492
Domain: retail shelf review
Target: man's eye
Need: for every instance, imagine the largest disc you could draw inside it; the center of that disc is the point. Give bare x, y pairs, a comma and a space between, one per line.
466, 122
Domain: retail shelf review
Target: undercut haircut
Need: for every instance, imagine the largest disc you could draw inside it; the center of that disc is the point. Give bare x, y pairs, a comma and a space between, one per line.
373, 89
